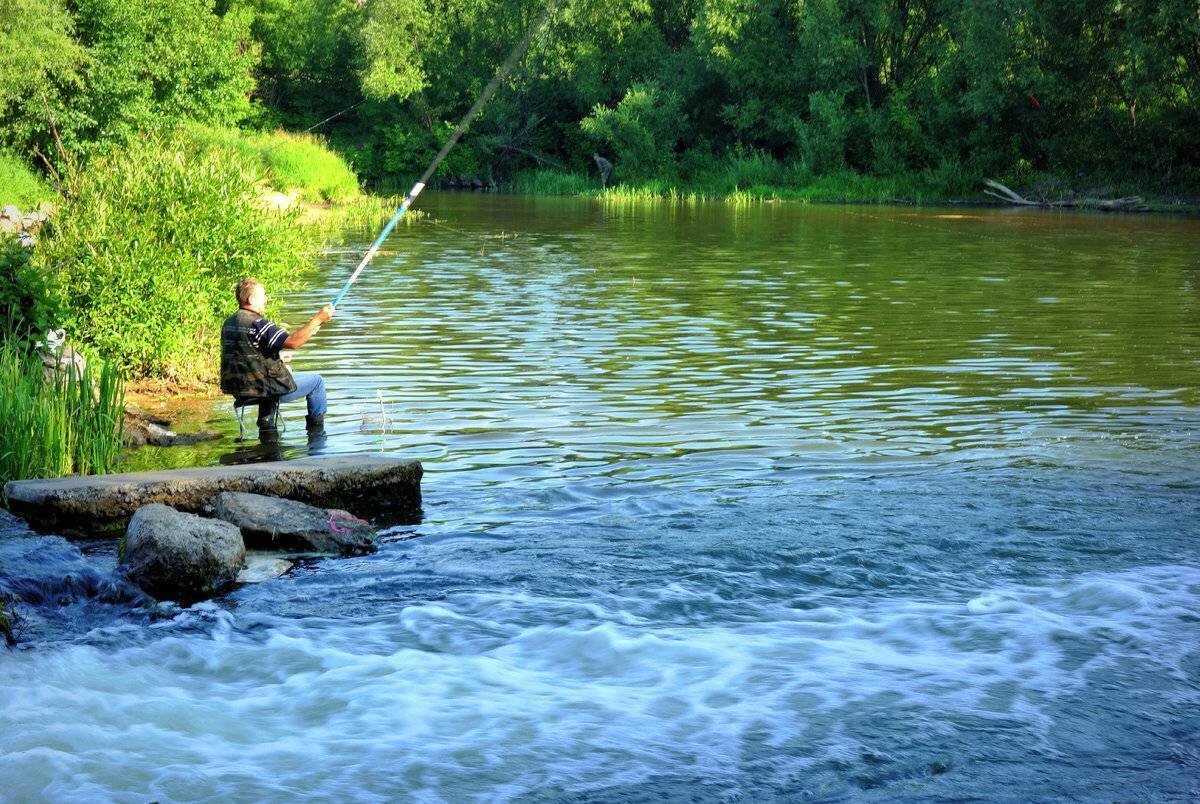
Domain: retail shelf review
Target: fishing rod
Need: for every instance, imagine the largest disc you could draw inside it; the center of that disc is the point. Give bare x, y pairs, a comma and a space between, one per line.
517, 53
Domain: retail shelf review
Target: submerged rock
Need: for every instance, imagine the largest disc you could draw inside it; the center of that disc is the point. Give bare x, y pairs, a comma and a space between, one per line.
275, 523
171, 554
142, 429
263, 567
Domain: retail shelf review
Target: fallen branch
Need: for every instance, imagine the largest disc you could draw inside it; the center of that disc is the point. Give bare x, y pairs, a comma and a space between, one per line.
1008, 195
1129, 203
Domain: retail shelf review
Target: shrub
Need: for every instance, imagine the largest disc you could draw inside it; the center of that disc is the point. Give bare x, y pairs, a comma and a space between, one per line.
821, 141
67, 425
151, 240
27, 308
641, 131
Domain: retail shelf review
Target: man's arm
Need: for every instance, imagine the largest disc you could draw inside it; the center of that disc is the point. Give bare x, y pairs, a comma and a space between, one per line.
300, 337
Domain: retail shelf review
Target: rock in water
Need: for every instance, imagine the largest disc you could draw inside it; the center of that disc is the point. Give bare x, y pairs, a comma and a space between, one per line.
143, 429
275, 523
181, 556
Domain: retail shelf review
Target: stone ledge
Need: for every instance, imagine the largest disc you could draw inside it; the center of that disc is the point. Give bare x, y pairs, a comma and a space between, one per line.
368, 485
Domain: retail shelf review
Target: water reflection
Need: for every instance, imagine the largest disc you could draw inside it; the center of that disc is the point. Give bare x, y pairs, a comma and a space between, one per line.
520, 339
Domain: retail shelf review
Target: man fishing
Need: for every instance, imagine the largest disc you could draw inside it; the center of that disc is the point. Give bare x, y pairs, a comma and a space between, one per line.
251, 368
605, 167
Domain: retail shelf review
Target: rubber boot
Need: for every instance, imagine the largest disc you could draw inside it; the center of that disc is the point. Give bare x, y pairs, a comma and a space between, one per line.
315, 425
268, 414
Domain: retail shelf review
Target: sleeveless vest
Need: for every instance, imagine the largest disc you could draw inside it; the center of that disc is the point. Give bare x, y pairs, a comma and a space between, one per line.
244, 370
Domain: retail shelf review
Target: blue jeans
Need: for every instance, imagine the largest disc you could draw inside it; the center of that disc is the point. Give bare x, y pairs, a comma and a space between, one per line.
312, 385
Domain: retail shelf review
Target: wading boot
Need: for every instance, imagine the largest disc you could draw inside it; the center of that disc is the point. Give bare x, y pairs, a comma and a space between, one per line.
315, 425
268, 421
268, 414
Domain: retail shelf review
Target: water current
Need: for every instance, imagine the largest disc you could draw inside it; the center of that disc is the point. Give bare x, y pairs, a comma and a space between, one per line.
721, 503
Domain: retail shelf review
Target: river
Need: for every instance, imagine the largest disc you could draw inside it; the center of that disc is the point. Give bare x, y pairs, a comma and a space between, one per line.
754, 503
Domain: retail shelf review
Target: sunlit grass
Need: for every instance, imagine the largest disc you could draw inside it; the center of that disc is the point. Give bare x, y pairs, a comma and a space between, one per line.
19, 185
755, 178
290, 161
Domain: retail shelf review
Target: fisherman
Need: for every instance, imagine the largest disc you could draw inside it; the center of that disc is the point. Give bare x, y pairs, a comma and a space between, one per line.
606, 169
252, 369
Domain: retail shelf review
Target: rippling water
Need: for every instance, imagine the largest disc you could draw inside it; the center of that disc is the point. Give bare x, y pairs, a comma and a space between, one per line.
762, 503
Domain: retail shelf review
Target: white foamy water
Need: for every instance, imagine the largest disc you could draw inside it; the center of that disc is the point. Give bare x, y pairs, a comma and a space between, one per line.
476, 697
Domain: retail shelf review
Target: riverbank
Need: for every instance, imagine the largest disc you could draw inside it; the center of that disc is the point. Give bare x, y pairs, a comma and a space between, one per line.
157, 231
748, 182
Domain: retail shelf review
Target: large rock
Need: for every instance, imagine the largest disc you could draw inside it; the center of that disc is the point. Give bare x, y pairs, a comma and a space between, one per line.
181, 556
275, 524
369, 484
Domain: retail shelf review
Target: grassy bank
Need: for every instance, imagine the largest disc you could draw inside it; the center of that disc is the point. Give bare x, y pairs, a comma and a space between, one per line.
148, 243
151, 237
299, 165
754, 181
139, 264
20, 186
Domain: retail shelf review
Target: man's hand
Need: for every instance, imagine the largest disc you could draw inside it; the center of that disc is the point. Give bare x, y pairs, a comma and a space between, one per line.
301, 336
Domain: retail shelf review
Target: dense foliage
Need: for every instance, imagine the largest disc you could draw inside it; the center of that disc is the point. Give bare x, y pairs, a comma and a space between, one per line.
884, 87
98, 71
27, 297
665, 89
151, 240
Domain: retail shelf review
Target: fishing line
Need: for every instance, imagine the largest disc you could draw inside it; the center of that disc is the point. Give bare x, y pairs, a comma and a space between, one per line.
517, 53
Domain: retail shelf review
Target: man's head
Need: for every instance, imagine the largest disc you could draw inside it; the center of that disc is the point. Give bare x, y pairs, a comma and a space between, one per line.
252, 295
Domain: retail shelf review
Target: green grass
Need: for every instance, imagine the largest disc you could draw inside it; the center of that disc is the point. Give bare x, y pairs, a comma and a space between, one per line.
289, 161
755, 178
21, 186
846, 187
749, 177
65, 425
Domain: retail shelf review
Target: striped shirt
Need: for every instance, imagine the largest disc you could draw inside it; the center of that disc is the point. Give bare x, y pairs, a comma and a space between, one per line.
267, 338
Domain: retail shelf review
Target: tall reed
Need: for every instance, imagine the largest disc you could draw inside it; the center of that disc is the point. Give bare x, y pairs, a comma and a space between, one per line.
61, 425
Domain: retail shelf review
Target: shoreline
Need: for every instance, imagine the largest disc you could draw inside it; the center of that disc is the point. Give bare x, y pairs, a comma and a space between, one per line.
908, 190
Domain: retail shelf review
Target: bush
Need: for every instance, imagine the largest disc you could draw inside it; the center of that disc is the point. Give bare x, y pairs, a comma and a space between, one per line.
27, 309
66, 425
19, 185
290, 161
640, 132
150, 242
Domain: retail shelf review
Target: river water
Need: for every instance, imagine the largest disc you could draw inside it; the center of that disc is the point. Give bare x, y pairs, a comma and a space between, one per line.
721, 503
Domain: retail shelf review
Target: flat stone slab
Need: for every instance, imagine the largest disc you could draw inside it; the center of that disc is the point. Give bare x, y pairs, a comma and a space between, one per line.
367, 485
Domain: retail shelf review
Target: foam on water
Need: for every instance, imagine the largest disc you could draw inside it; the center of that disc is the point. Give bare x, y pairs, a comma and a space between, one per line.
491, 695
